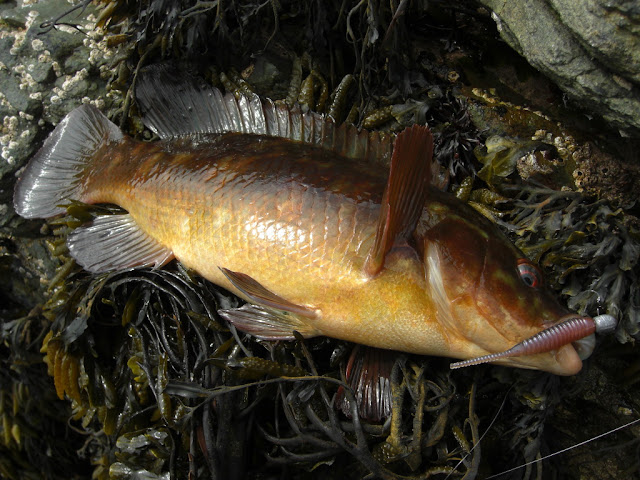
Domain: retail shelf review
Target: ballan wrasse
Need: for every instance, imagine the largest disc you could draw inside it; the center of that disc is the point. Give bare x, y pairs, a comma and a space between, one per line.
299, 217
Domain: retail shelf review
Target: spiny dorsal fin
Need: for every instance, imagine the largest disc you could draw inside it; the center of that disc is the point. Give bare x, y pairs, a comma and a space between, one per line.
260, 295
176, 104
405, 194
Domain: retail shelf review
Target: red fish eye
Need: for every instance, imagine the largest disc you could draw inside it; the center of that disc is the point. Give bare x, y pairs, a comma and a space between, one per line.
529, 273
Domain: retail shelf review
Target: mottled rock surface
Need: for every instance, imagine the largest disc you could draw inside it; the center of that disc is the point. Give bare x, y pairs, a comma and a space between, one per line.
44, 74
589, 48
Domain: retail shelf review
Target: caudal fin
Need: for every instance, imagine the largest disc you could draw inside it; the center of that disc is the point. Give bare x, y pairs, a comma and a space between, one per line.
56, 173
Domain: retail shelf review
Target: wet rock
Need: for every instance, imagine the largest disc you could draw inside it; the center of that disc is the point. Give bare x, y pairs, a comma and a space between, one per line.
590, 49
607, 30
45, 73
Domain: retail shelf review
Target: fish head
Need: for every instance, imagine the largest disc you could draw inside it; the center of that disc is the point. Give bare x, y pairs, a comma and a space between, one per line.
488, 296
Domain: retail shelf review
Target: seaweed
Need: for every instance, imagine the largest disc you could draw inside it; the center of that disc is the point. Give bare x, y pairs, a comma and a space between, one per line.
162, 386
588, 248
156, 385
32, 419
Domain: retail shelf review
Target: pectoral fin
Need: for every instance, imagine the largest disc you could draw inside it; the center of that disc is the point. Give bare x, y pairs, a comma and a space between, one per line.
258, 294
405, 194
267, 324
272, 317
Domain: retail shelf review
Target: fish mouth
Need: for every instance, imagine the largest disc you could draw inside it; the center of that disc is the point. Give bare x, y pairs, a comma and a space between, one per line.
569, 341
585, 346
570, 356
569, 361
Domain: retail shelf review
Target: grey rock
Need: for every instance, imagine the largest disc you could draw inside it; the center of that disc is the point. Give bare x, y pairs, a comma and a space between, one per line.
15, 96
6, 58
13, 17
589, 48
60, 43
608, 30
44, 74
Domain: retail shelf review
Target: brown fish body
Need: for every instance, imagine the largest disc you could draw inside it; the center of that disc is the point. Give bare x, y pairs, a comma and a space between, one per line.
300, 219
282, 208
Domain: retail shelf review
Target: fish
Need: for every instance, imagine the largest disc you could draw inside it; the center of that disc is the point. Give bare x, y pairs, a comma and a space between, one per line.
302, 219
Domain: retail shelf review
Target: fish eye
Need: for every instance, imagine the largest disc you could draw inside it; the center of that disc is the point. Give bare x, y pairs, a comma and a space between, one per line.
529, 273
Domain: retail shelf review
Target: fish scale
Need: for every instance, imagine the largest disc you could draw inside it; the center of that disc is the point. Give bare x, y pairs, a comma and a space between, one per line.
285, 222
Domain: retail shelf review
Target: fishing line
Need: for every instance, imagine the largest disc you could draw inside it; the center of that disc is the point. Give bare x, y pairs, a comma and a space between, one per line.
566, 449
495, 417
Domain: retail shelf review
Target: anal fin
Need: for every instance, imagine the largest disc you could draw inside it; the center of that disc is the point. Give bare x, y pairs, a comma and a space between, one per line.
405, 194
368, 373
115, 242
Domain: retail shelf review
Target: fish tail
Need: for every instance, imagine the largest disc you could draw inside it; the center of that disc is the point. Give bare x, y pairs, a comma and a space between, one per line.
58, 172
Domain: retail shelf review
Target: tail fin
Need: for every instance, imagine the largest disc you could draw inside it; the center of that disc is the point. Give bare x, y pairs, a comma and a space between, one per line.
56, 173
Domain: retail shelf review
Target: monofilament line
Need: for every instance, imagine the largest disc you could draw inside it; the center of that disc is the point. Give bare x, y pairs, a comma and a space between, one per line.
495, 417
565, 449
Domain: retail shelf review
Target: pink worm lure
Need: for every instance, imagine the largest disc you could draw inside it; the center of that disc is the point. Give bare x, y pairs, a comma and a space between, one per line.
554, 337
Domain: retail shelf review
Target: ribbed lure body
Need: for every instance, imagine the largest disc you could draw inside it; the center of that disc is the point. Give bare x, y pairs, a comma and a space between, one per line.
574, 329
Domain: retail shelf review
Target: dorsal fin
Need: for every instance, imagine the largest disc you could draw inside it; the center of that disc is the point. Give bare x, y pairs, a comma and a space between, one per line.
177, 104
405, 194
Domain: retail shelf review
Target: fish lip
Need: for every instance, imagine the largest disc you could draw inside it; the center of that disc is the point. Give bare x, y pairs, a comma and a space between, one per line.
564, 361
568, 362
569, 357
